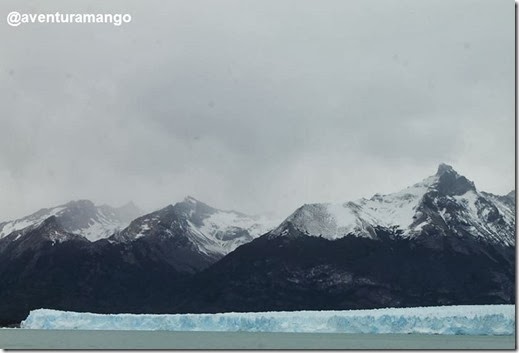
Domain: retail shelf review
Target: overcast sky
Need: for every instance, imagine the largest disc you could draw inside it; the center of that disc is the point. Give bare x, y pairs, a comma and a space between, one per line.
253, 105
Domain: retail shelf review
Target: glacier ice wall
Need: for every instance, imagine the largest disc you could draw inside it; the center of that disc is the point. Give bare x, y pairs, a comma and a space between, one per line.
453, 320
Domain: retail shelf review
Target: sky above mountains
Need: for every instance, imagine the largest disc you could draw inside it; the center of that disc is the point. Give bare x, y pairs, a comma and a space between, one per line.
253, 105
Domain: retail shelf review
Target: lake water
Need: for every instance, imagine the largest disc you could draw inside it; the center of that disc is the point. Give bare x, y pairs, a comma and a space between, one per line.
80, 339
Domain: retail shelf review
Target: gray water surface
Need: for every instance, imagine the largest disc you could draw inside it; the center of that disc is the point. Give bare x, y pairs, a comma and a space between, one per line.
81, 339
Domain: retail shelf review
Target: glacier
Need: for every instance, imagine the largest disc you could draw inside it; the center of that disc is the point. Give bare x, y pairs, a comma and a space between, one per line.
448, 320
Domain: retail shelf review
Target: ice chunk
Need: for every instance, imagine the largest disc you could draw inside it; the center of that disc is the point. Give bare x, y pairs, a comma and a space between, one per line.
456, 320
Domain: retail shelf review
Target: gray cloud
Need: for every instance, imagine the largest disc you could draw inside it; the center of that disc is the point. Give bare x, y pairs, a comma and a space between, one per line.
253, 105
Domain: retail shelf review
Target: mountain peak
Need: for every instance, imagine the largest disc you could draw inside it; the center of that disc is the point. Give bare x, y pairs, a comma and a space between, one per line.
452, 183
192, 206
49, 229
445, 169
80, 204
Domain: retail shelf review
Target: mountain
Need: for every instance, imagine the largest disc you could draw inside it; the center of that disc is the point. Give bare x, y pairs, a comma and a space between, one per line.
141, 268
445, 204
32, 237
313, 273
188, 236
212, 232
79, 217
45, 266
438, 242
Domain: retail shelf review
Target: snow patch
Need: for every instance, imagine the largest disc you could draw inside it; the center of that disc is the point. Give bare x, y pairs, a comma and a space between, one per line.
334, 221
32, 220
228, 229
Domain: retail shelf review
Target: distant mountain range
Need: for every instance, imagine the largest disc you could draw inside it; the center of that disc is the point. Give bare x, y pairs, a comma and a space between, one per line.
438, 242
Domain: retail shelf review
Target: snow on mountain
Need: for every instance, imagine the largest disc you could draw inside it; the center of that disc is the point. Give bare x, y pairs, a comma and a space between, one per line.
212, 231
445, 203
36, 218
79, 217
50, 229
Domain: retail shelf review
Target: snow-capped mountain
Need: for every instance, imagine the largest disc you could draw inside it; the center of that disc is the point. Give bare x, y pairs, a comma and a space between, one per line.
32, 237
213, 232
438, 242
445, 203
80, 217
143, 268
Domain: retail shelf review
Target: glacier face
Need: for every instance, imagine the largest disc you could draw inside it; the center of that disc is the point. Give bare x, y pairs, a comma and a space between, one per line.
449, 320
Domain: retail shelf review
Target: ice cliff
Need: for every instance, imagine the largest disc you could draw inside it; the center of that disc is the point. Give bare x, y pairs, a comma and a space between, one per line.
451, 320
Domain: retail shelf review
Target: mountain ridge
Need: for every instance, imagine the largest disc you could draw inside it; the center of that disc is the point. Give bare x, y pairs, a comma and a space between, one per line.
80, 217
214, 232
432, 205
